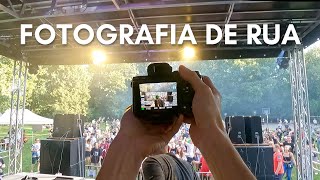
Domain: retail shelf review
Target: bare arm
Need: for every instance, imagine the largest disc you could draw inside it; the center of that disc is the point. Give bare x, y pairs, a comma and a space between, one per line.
208, 133
122, 162
222, 158
134, 142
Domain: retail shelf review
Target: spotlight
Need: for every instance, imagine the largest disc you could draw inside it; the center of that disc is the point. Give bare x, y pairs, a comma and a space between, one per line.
188, 53
98, 57
282, 60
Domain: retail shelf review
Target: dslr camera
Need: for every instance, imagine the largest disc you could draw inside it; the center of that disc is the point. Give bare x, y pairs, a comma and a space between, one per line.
162, 95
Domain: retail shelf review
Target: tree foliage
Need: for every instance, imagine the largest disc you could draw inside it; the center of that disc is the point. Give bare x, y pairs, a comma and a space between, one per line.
246, 86
312, 58
61, 89
6, 67
110, 89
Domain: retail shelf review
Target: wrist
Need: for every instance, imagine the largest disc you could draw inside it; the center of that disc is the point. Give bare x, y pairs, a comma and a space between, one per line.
125, 154
210, 137
130, 144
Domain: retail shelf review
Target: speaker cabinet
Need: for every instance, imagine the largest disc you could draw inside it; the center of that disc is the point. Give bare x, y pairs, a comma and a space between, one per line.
235, 127
258, 159
67, 125
65, 156
253, 130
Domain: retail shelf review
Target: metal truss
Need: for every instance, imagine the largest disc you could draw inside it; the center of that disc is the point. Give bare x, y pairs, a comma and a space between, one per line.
301, 113
16, 116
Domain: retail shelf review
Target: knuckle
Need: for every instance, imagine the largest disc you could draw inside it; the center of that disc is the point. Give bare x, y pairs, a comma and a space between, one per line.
217, 93
205, 77
194, 74
206, 89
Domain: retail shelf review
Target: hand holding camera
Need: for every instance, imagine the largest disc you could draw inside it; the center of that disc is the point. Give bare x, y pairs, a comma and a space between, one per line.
162, 95
206, 106
158, 99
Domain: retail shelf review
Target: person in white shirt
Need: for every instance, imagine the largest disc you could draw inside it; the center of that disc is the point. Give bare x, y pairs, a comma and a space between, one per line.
35, 150
93, 139
189, 150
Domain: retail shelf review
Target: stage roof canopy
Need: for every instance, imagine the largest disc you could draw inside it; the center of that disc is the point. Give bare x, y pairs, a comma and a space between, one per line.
304, 15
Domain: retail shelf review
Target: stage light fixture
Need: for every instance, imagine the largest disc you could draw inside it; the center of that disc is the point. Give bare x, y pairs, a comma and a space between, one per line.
188, 53
282, 60
98, 57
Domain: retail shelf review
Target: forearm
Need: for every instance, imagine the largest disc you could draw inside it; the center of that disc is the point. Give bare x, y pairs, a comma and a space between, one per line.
222, 157
121, 162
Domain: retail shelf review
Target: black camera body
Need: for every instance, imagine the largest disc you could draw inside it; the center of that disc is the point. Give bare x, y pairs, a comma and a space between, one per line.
162, 95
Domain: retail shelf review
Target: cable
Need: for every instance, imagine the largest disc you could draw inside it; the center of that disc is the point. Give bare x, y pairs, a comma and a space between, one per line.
82, 171
249, 163
264, 164
240, 137
229, 126
79, 156
62, 151
255, 171
52, 163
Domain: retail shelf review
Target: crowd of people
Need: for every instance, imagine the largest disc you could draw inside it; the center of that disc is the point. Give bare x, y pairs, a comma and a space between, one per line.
97, 144
182, 147
282, 139
98, 141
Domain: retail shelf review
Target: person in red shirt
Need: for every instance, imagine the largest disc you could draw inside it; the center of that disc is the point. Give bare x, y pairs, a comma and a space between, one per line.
205, 172
104, 146
205, 168
277, 163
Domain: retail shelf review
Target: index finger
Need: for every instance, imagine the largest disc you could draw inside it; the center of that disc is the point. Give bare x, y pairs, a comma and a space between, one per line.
209, 83
191, 77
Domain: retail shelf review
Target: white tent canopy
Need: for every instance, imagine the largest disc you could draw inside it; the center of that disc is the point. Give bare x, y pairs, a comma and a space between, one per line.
29, 118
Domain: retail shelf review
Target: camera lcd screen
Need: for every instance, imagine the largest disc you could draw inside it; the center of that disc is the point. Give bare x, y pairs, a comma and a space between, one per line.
158, 95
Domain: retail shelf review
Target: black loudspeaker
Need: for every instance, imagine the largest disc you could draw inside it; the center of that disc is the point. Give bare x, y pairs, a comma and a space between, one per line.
67, 125
253, 129
259, 159
63, 155
235, 127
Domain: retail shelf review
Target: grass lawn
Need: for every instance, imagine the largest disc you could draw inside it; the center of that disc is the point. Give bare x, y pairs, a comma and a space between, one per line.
26, 153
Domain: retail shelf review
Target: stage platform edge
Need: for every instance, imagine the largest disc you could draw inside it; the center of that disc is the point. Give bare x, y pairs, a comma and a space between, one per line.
40, 176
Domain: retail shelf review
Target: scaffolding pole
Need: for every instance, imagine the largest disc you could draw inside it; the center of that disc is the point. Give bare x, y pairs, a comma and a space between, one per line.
301, 113
16, 116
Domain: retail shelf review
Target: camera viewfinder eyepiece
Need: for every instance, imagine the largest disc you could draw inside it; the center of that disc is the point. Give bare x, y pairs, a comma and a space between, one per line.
159, 69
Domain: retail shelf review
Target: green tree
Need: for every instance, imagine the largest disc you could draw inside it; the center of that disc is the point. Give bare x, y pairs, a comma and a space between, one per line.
313, 68
6, 67
61, 89
110, 89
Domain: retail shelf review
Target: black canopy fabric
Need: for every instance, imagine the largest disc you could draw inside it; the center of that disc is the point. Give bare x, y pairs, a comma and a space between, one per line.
304, 15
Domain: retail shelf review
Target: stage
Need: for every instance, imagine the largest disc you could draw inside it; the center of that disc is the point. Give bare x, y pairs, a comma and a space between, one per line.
42, 177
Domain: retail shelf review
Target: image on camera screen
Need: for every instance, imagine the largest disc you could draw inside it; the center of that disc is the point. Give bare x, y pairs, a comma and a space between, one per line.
158, 95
